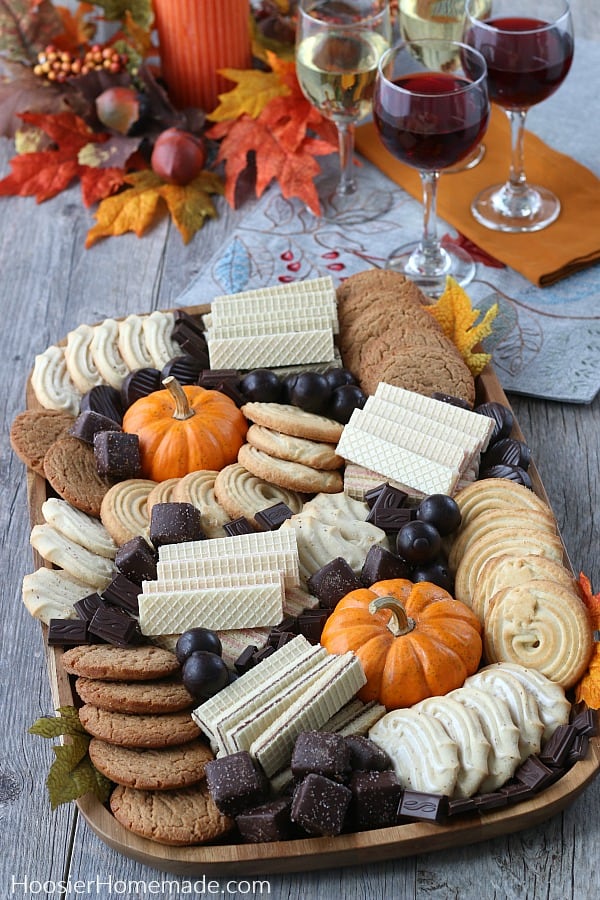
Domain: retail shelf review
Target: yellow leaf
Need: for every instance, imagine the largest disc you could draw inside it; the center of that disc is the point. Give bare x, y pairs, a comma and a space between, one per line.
190, 205
456, 316
131, 210
254, 90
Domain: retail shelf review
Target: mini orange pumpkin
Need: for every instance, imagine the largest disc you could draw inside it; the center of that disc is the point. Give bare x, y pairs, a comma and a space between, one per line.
413, 640
183, 429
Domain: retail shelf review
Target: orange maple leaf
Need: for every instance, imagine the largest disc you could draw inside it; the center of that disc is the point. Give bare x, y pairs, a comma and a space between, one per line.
592, 601
77, 29
588, 688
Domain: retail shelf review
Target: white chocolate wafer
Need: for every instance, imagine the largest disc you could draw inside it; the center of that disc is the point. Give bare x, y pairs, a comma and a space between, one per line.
106, 354
157, 328
53, 546
553, 706
283, 561
132, 343
252, 326
465, 729
238, 544
291, 348
500, 730
232, 578
79, 358
198, 488
243, 606
78, 527
51, 382
423, 754
51, 593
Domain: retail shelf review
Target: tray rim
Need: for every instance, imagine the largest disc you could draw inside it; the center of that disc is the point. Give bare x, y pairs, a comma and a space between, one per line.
356, 848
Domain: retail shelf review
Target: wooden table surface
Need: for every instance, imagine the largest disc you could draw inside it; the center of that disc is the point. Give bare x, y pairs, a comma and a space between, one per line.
48, 285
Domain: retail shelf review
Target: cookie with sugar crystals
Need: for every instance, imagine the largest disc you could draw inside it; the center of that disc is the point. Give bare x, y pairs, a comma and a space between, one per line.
33, 432
110, 663
150, 769
180, 817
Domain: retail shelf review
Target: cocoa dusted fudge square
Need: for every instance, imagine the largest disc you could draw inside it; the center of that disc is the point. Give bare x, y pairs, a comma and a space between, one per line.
236, 783
375, 799
323, 753
320, 805
173, 523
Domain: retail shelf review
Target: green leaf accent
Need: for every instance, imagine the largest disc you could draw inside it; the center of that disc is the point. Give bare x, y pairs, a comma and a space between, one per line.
141, 10
67, 722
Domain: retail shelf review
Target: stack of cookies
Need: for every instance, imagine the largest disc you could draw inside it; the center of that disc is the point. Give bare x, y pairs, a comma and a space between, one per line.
387, 335
145, 740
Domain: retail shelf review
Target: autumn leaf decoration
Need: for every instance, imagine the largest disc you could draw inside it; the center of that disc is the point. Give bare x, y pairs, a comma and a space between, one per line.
267, 122
454, 313
588, 688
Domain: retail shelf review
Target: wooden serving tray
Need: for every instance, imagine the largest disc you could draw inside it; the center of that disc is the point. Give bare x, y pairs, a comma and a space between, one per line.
316, 853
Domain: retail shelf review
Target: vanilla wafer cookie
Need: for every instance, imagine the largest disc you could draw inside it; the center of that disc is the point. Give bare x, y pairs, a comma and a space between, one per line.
78, 527
317, 454
51, 382
293, 421
198, 488
240, 493
106, 354
53, 546
132, 343
530, 519
79, 358
290, 475
124, 511
494, 493
51, 593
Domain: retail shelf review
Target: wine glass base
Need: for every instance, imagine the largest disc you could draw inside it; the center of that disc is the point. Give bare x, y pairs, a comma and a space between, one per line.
366, 203
469, 163
501, 208
456, 263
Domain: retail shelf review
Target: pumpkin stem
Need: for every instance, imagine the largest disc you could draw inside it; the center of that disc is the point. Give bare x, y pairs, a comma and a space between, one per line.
399, 623
182, 407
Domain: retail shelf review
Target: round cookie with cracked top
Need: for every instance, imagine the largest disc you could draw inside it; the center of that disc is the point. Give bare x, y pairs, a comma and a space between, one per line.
137, 697
423, 372
359, 290
294, 421
33, 432
180, 817
150, 769
109, 663
70, 469
292, 476
149, 730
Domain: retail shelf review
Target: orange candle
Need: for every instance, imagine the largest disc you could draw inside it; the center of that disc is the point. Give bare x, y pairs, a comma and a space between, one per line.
197, 38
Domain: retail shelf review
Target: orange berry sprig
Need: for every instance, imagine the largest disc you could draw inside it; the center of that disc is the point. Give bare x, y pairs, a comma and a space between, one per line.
58, 65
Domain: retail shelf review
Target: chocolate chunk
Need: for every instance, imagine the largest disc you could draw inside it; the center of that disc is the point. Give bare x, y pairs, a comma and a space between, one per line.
138, 384
381, 564
513, 473
390, 519
332, 582
103, 399
261, 654
502, 416
210, 377
583, 719
365, 755
556, 749
578, 749
451, 399
89, 423
186, 369
277, 639
136, 561
288, 623
459, 806
269, 822
239, 526
389, 498
423, 806
114, 626
122, 593
373, 493
274, 516
87, 606
194, 321
322, 752
191, 340
509, 452
117, 455
235, 783
67, 632
319, 805
311, 623
231, 390
245, 660
535, 774
375, 799
516, 792
492, 800
174, 523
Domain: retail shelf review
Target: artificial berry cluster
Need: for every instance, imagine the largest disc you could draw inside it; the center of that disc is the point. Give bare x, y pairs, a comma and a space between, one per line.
333, 393
58, 65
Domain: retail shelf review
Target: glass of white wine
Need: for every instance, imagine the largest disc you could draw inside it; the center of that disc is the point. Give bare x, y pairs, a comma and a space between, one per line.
443, 19
338, 46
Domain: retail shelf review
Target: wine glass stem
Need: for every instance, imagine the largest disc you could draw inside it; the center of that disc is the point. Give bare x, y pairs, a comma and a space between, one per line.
517, 180
430, 250
347, 182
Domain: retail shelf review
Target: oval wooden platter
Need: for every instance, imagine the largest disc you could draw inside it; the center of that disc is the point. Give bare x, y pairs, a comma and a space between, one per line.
353, 849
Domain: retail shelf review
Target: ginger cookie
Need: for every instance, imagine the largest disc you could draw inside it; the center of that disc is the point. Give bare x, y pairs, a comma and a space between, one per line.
34, 431
180, 817
422, 370
362, 288
289, 475
124, 509
150, 730
151, 770
241, 493
70, 469
294, 421
139, 697
109, 663
317, 454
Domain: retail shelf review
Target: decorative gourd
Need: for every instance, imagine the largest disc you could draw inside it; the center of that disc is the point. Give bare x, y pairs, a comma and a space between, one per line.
183, 429
413, 640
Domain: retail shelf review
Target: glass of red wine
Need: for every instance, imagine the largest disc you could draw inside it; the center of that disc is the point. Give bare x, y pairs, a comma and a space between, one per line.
528, 58
431, 118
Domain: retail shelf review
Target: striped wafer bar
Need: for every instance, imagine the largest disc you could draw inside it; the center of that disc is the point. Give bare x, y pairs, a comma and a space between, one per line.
240, 544
262, 351
277, 560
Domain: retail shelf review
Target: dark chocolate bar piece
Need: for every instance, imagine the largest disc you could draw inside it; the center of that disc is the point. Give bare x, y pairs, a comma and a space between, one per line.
245, 660
277, 639
535, 774
268, 822
389, 498
136, 561
332, 582
373, 493
459, 806
261, 654
555, 751
584, 721
451, 399
122, 593
578, 750
288, 623
173, 523
492, 800
89, 423
311, 623
423, 806
375, 799
322, 752
210, 377
271, 518
235, 783
241, 525
194, 321
365, 755
117, 455
103, 399
67, 632
114, 626
191, 340
319, 805
516, 792
87, 606
381, 564
231, 390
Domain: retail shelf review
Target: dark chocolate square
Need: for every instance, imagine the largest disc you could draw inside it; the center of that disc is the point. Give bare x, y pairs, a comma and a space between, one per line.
174, 523
380, 564
423, 806
365, 755
319, 805
332, 582
273, 517
67, 632
375, 799
122, 593
241, 525
268, 822
245, 660
89, 423
235, 783
117, 455
114, 626
555, 751
322, 752
87, 606
136, 561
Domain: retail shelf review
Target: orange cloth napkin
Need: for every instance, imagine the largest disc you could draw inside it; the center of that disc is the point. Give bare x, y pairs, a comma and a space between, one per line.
569, 244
